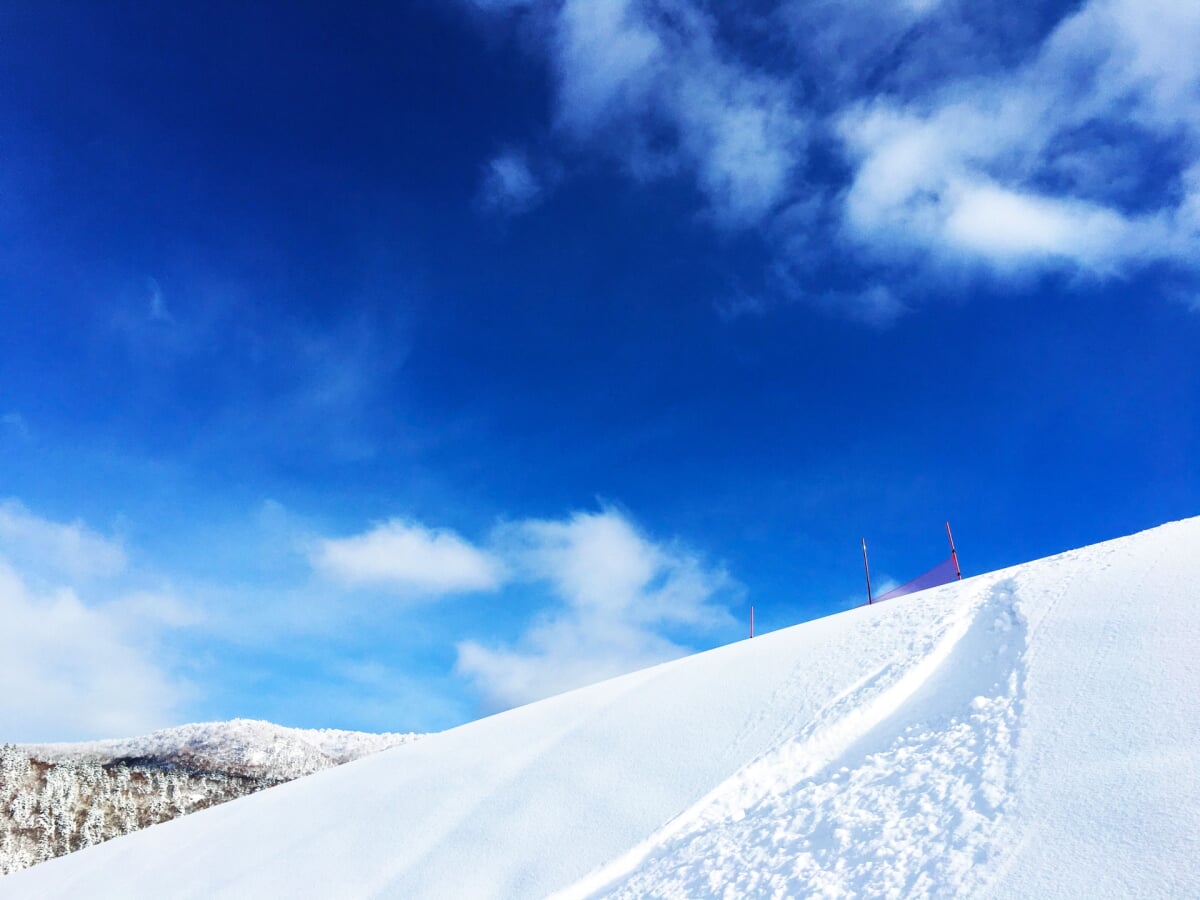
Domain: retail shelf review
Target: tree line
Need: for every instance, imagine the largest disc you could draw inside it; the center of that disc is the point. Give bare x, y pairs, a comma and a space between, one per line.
48, 809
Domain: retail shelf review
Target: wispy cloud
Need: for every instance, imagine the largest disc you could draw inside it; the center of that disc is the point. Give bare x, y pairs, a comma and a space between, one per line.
509, 184
158, 303
621, 595
653, 85
408, 557
1019, 169
15, 424
272, 380
917, 137
65, 549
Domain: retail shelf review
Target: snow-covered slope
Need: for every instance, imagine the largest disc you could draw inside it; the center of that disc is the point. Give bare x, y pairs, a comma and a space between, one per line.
238, 747
1027, 733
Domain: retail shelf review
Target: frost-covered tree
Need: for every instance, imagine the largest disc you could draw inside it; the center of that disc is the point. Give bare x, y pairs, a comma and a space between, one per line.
48, 809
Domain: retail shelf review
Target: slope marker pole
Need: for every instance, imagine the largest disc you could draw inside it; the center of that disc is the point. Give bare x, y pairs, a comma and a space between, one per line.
752, 621
953, 552
867, 569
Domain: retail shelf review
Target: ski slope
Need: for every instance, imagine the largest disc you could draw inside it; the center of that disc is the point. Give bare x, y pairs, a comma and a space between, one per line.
1027, 733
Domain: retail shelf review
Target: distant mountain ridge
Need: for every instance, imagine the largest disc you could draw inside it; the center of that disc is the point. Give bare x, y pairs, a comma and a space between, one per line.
248, 747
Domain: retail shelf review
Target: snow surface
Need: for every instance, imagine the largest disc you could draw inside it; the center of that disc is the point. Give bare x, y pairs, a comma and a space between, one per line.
240, 746
1027, 733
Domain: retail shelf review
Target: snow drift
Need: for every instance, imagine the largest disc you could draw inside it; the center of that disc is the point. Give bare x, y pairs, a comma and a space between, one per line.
1031, 732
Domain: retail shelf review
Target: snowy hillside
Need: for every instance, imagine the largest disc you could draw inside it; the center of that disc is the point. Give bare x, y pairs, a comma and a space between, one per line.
241, 747
1026, 733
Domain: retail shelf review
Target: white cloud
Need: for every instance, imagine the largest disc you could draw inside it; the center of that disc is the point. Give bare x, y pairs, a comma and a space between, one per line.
620, 593
1000, 224
1136, 55
966, 175
509, 185
75, 668
72, 671
743, 135
950, 134
651, 84
54, 548
607, 59
409, 557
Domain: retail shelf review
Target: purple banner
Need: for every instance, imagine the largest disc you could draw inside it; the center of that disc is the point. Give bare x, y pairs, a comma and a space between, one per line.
942, 573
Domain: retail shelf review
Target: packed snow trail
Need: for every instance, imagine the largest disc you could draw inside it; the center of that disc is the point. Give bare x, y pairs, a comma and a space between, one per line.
1023, 733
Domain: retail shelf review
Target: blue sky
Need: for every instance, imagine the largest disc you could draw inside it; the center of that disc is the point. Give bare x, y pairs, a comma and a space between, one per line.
379, 369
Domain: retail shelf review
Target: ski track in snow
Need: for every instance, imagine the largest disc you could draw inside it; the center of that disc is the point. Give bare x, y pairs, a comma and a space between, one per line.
882, 796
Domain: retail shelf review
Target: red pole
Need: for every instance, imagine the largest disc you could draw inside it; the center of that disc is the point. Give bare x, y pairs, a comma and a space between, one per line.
953, 552
752, 621
867, 569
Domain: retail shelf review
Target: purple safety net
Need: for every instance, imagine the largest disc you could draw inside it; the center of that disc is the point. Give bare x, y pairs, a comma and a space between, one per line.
942, 573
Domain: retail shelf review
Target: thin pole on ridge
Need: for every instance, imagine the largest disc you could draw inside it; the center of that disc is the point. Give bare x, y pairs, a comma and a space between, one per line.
867, 569
953, 552
752, 621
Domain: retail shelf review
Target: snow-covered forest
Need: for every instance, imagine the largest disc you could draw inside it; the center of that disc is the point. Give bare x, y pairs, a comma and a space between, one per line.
57, 798
52, 808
